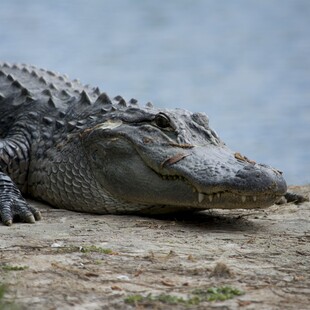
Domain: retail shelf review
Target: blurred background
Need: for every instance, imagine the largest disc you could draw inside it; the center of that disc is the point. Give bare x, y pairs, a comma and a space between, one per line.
246, 63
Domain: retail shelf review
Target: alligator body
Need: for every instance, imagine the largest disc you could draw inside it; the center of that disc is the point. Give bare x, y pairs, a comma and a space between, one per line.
75, 148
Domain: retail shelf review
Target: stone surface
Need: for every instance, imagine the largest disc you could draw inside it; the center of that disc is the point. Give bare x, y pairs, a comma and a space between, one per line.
265, 253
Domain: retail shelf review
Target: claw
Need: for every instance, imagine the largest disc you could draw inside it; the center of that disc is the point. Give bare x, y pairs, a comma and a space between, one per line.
8, 223
30, 219
37, 215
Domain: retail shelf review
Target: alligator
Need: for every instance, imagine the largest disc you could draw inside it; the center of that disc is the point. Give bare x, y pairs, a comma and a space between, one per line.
74, 147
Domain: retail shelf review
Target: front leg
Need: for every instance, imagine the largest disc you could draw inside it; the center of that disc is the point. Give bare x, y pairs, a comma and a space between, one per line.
12, 204
14, 159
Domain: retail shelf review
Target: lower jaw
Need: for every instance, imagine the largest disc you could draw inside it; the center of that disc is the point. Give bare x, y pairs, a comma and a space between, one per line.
225, 200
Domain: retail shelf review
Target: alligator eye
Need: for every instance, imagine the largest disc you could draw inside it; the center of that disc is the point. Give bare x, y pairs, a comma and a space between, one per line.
162, 120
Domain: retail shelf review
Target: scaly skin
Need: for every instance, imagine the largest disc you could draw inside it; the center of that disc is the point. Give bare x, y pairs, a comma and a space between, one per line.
75, 148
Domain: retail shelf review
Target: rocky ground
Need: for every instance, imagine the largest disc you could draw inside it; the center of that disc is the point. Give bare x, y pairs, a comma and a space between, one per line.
210, 260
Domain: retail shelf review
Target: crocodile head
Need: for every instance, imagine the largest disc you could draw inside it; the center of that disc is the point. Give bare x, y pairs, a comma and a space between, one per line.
172, 160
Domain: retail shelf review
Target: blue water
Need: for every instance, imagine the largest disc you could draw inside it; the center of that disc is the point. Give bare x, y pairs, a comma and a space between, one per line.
245, 63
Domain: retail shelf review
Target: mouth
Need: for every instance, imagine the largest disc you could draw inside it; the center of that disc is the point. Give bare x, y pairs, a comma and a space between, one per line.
227, 199
231, 200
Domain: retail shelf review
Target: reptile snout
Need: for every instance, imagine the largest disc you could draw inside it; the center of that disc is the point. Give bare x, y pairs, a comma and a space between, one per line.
262, 178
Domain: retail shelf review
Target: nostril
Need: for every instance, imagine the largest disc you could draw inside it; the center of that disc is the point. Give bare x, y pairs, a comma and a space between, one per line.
247, 168
240, 175
248, 172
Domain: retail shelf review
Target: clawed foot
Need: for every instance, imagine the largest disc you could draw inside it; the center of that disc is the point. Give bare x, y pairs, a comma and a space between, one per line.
18, 210
296, 198
292, 197
13, 207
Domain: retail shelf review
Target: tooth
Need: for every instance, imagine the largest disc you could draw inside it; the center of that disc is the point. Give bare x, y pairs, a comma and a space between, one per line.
210, 197
218, 195
254, 198
201, 197
243, 198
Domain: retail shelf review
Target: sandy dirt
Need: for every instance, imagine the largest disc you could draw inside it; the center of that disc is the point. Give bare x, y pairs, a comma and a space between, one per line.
79, 261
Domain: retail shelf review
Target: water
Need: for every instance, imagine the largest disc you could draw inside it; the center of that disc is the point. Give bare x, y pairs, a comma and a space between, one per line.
245, 63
